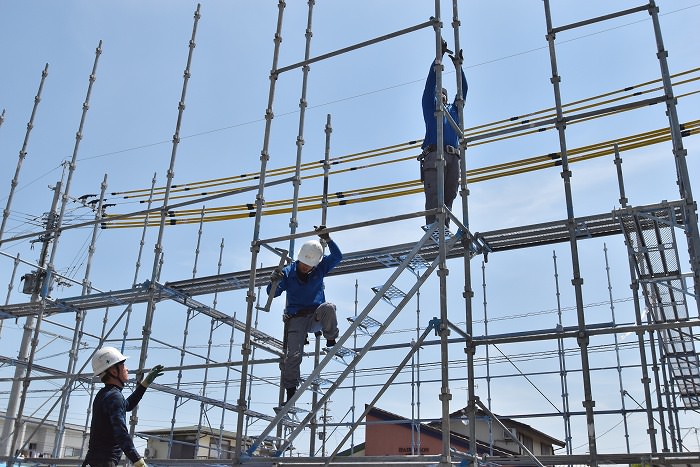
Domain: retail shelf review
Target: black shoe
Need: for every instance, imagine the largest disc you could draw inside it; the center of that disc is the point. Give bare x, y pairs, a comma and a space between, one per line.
330, 343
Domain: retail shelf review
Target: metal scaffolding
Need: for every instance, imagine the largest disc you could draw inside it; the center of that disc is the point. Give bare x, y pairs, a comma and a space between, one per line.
666, 336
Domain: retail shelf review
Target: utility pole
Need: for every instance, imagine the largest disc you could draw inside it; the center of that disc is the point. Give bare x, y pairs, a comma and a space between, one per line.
323, 433
34, 284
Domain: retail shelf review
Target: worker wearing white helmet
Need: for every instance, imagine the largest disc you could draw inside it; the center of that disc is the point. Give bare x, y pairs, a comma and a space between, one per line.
109, 436
306, 309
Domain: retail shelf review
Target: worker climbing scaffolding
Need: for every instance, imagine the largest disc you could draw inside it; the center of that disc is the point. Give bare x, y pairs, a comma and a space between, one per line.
429, 158
306, 309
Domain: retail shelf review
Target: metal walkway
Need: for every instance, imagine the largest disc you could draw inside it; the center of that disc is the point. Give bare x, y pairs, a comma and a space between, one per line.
386, 257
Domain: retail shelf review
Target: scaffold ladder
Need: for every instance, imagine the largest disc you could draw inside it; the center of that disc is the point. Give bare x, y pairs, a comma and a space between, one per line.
651, 243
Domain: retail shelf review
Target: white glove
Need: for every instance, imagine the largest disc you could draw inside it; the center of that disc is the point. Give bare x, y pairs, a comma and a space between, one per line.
140, 463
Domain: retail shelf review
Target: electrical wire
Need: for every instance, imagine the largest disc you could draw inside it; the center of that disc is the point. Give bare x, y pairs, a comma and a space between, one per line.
379, 192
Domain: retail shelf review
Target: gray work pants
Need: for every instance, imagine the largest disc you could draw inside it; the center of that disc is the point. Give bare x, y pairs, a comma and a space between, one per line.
430, 182
322, 319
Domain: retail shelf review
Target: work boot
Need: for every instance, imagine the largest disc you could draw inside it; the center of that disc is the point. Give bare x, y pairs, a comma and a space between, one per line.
429, 226
330, 343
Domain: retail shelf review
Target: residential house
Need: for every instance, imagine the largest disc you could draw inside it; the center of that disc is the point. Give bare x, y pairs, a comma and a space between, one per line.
37, 438
388, 434
192, 443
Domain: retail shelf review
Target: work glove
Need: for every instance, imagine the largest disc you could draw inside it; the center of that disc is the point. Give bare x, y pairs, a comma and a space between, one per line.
457, 58
444, 47
323, 236
140, 463
155, 372
276, 275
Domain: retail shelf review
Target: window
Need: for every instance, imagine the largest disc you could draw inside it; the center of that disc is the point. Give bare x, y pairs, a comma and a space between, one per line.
214, 448
546, 449
69, 451
527, 442
510, 435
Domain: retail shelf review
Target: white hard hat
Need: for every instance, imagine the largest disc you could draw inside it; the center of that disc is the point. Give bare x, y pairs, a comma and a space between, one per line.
311, 253
105, 358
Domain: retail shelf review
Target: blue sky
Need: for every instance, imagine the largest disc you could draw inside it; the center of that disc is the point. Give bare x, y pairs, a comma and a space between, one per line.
373, 96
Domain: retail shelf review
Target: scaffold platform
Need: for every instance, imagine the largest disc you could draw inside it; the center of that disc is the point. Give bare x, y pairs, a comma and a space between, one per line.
546, 233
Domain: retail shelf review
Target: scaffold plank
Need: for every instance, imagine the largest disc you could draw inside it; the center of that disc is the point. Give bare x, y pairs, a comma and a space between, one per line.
367, 260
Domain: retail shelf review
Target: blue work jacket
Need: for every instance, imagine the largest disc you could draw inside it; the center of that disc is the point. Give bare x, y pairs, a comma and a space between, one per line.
450, 136
109, 436
305, 294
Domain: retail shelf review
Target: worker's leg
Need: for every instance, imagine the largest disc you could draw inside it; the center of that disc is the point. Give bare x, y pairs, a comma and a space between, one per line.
451, 181
430, 184
325, 320
296, 334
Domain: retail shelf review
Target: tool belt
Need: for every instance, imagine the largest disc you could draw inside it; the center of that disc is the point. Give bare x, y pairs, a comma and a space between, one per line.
300, 314
431, 148
304, 312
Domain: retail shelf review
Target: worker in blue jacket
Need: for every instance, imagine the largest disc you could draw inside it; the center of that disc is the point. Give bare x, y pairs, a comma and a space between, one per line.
306, 309
109, 436
451, 138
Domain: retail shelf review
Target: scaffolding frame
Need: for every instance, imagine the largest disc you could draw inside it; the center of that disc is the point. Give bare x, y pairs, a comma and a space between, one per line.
664, 288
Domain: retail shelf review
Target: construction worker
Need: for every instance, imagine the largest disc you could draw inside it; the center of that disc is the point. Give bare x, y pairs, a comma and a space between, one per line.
306, 307
109, 436
451, 137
